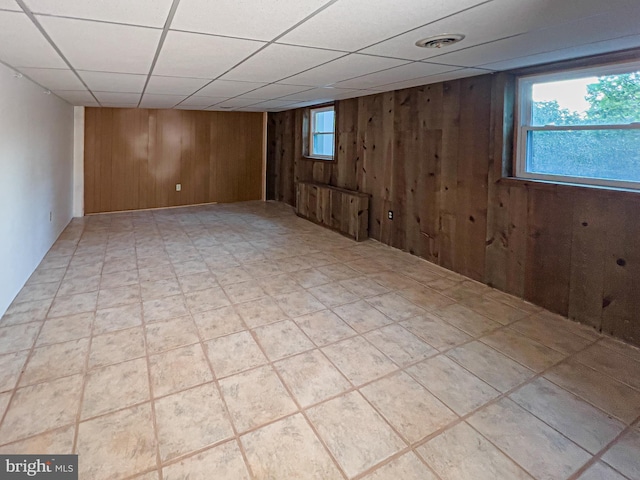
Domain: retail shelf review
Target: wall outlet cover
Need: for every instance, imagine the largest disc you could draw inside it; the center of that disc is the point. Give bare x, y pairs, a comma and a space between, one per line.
390, 215
178, 187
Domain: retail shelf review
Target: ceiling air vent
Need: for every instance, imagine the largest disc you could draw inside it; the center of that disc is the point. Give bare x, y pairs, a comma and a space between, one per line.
440, 41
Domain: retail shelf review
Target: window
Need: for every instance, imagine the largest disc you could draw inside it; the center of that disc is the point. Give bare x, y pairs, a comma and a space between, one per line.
322, 133
581, 126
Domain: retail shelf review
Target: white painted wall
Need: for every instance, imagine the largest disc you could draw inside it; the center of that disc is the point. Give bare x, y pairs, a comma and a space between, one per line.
36, 177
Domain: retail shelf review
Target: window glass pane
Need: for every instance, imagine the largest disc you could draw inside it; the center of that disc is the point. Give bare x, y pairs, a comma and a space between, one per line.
323, 144
612, 154
323, 121
603, 100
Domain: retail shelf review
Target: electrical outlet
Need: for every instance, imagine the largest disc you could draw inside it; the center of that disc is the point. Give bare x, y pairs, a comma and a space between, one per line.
178, 187
390, 215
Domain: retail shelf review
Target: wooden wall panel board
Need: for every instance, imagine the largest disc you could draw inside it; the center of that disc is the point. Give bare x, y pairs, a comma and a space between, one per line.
516, 240
346, 172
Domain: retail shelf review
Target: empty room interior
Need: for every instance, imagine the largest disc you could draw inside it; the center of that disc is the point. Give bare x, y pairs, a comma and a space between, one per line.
320, 239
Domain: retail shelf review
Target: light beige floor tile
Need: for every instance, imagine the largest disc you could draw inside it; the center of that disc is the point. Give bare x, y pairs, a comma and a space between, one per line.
120, 279
310, 278
282, 339
244, 291
358, 360
425, 297
54, 361
494, 310
116, 347
34, 294
621, 348
197, 281
157, 272
408, 406
497, 370
395, 306
38, 408
616, 365
394, 281
361, 316
190, 420
115, 297
11, 365
435, 331
522, 349
47, 275
225, 460
400, 345
406, 467
73, 304
324, 327
623, 455
18, 337
167, 287
73, 285
542, 451
65, 328
587, 426
296, 304
466, 319
363, 287
601, 471
218, 322
259, 269
234, 353
279, 284
178, 369
598, 389
355, 433
189, 268
260, 312
461, 453
118, 318
164, 308
338, 271
57, 442
209, 299
311, 377
460, 390
255, 398
288, 450
105, 444
169, 334
4, 402
114, 387
554, 336
229, 276
333, 294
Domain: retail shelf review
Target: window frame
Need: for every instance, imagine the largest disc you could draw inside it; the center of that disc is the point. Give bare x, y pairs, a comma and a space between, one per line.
523, 114
309, 149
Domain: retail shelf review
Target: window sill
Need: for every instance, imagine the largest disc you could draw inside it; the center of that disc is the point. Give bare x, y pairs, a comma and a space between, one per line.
319, 159
567, 186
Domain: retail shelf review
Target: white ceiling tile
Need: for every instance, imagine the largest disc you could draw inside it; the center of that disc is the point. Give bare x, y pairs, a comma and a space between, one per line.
10, 5
242, 18
237, 102
316, 94
353, 65
279, 61
354, 24
175, 85
189, 107
202, 56
22, 44
103, 46
119, 105
398, 74
226, 88
160, 101
631, 41
54, 79
442, 77
618, 23
113, 82
80, 97
121, 98
252, 109
276, 90
199, 101
151, 13
273, 104
491, 21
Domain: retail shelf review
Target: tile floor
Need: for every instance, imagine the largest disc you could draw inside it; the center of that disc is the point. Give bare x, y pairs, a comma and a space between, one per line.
241, 342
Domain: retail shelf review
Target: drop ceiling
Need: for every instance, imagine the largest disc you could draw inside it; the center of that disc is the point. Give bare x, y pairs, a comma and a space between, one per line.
273, 55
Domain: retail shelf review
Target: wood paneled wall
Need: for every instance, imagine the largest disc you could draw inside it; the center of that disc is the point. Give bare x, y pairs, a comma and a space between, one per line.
436, 155
135, 157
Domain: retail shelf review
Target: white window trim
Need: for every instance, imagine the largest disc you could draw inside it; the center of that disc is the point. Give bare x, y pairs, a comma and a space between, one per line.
523, 110
312, 112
